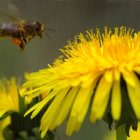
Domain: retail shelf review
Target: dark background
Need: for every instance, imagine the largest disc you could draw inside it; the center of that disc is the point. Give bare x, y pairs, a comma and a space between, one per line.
68, 18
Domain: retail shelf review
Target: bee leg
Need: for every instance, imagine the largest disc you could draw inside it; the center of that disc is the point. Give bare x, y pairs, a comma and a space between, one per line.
29, 40
22, 38
25, 41
22, 46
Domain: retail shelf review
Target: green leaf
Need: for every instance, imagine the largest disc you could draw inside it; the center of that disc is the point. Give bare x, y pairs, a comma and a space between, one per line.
22, 106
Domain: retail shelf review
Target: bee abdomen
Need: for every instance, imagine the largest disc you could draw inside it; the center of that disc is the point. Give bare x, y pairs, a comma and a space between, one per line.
4, 33
10, 30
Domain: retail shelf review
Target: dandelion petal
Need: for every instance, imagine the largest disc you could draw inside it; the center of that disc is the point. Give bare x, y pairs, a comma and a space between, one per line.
100, 100
116, 100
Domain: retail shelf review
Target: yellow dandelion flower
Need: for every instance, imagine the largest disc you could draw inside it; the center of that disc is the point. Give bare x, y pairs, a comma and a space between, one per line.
26, 99
91, 73
9, 96
9, 91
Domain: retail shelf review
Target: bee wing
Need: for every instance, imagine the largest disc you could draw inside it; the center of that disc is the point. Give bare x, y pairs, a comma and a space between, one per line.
8, 17
13, 14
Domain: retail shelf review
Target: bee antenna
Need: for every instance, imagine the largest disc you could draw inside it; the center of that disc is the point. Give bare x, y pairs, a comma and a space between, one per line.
47, 35
50, 30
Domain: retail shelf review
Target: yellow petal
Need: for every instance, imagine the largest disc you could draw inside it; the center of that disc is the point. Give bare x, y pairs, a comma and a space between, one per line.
130, 78
100, 100
108, 76
67, 103
2, 112
81, 99
43, 132
79, 108
116, 100
116, 75
134, 135
137, 69
71, 125
134, 92
50, 115
3, 124
134, 99
42, 103
82, 114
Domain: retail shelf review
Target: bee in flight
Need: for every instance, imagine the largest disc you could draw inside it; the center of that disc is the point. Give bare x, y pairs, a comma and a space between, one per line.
21, 31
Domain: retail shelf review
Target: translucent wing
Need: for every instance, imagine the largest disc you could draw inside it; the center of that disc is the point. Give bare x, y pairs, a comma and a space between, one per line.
13, 14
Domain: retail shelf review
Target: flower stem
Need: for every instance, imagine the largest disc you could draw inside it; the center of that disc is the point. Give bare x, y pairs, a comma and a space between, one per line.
121, 133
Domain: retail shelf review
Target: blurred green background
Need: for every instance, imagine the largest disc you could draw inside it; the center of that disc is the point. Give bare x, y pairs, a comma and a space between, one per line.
68, 18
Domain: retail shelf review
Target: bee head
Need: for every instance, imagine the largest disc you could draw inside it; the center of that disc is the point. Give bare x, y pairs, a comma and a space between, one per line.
39, 29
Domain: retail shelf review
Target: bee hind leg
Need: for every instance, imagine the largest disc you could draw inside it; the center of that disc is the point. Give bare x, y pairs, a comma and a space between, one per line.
22, 46
25, 41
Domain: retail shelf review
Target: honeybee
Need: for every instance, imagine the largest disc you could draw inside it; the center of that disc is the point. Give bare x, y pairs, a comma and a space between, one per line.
20, 30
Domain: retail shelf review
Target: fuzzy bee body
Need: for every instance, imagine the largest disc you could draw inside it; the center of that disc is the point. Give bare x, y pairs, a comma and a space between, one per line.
21, 32
10, 30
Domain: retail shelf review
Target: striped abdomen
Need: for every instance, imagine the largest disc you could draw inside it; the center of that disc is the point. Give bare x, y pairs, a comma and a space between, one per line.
10, 30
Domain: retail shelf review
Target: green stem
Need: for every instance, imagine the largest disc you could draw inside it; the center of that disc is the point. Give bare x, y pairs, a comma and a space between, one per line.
121, 133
